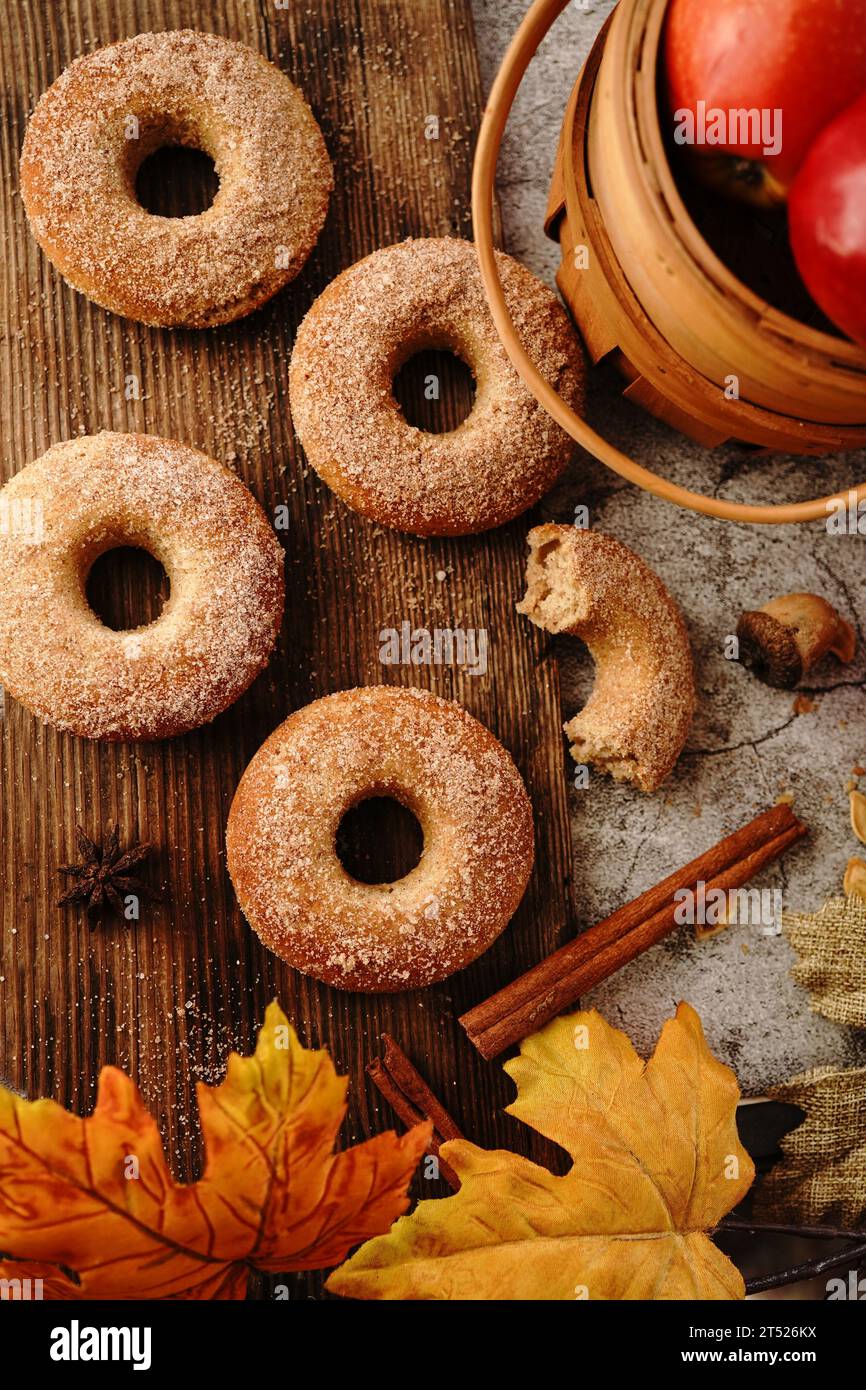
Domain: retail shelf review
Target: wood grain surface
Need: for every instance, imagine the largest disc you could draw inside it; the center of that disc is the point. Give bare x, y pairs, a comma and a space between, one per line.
168, 999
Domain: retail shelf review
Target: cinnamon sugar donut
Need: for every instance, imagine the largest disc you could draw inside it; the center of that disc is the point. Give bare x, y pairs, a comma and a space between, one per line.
637, 718
372, 319
93, 129
224, 563
443, 765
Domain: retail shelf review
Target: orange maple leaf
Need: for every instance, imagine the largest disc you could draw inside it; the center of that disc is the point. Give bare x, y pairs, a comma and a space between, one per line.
89, 1205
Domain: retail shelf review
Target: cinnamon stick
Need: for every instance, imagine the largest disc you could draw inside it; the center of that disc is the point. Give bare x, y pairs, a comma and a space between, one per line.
408, 1094
536, 997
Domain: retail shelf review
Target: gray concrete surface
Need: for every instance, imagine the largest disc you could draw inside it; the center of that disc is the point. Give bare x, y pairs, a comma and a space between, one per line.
747, 745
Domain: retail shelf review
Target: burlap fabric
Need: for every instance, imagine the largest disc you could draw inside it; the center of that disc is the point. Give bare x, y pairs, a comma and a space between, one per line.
822, 1178
831, 946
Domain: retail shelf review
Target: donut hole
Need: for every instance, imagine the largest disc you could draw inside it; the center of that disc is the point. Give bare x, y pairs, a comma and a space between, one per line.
435, 390
127, 588
379, 840
578, 672
177, 181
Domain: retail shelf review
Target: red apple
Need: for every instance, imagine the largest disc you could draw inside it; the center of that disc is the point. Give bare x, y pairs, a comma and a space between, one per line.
827, 213
803, 58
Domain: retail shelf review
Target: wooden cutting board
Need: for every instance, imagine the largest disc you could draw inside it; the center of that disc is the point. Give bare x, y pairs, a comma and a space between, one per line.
168, 999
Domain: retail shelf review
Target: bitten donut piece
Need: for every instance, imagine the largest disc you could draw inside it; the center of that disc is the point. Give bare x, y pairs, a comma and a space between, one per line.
445, 767
408, 298
222, 558
637, 718
93, 129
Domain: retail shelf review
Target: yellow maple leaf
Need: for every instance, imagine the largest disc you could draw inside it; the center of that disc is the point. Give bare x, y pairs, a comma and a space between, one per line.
95, 1196
656, 1164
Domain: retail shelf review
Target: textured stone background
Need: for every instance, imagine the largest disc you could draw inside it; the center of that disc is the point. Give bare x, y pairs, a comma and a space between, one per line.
747, 745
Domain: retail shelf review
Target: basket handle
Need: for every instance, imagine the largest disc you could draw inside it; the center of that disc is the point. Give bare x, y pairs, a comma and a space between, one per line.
537, 22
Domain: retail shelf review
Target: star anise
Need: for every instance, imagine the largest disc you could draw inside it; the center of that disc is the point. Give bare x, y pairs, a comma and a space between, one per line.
105, 876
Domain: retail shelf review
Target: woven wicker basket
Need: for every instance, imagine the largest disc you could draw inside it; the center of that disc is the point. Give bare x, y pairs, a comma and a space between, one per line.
699, 348
681, 323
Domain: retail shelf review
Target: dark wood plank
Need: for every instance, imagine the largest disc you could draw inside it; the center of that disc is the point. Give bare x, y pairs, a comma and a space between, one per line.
168, 1000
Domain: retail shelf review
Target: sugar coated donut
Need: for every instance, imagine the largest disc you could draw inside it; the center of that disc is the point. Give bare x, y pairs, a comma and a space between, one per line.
109, 110
637, 718
224, 563
375, 316
455, 777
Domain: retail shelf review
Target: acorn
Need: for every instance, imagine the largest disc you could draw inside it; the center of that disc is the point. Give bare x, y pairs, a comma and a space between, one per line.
786, 638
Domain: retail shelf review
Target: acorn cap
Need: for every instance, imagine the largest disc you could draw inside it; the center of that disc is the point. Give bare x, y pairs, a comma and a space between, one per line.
789, 635
769, 649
